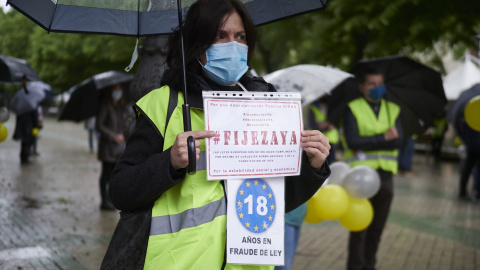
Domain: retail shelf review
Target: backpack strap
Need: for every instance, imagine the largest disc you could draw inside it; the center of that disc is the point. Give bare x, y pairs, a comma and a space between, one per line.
172, 104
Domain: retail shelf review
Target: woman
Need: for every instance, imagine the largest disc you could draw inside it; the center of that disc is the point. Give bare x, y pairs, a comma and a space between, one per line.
152, 170
110, 125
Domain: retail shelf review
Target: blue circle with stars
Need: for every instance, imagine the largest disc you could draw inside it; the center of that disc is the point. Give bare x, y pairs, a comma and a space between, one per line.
255, 205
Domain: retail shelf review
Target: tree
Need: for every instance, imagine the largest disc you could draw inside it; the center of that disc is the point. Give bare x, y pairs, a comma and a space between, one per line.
349, 31
62, 60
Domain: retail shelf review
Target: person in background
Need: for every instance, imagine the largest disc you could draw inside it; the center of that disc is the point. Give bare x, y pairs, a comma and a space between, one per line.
317, 119
110, 124
220, 39
24, 126
92, 132
471, 140
405, 156
439, 128
373, 134
40, 126
293, 222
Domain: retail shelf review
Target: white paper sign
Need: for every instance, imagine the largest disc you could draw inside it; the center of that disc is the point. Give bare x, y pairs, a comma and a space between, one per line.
255, 221
255, 137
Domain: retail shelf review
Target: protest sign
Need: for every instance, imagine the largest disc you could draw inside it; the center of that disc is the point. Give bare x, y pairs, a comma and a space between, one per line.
255, 221
257, 134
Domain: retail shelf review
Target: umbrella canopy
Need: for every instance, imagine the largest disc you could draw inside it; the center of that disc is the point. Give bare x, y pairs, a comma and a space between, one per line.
83, 101
416, 88
455, 115
23, 102
142, 17
14, 69
461, 78
313, 81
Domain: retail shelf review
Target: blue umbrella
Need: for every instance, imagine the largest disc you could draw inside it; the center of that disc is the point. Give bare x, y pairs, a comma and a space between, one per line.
27, 101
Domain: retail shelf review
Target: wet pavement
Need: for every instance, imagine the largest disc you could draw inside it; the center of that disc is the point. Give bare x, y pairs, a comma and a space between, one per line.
50, 217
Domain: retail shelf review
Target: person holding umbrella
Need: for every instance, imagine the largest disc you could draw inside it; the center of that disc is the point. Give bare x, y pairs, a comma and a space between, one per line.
373, 134
25, 125
111, 116
151, 174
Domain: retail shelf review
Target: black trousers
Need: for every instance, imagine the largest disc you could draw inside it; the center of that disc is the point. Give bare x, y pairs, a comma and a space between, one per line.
107, 169
472, 158
363, 245
25, 151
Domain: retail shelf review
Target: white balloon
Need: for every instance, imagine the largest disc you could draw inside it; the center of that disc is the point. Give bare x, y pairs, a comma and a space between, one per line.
362, 182
338, 171
4, 114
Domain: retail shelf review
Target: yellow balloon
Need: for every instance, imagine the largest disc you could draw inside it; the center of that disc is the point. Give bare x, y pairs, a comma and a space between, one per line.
331, 201
3, 132
312, 215
358, 216
472, 113
35, 132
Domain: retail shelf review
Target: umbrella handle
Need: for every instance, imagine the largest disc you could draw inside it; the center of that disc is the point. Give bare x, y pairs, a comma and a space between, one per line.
192, 152
192, 156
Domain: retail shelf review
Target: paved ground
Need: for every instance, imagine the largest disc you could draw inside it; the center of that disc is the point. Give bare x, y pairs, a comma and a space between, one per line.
50, 217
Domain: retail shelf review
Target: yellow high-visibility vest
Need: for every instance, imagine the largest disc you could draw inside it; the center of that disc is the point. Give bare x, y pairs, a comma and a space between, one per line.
188, 230
369, 125
332, 135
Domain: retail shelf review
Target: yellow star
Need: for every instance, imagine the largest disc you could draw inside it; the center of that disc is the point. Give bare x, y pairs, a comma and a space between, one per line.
269, 195
264, 186
239, 203
256, 228
272, 207
265, 225
241, 191
270, 218
241, 215
247, 224
256, 182
248, 184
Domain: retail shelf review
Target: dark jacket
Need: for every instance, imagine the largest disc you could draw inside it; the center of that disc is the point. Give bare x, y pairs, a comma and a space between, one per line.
110, 122
24, 125
144, 172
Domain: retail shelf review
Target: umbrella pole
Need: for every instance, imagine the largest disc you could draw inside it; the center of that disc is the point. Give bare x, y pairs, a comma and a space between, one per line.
187, 124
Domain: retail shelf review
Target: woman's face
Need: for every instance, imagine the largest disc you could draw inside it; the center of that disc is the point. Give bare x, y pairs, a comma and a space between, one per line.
232, 30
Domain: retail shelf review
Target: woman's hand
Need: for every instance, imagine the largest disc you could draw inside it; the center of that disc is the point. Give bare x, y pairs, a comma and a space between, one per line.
316, 146
119, 138
179, 151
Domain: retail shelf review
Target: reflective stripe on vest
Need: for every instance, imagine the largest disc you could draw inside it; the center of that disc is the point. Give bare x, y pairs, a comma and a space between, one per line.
332, 135
369, 125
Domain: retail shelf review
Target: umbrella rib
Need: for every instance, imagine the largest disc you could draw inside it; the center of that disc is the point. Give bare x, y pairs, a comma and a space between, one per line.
53, 15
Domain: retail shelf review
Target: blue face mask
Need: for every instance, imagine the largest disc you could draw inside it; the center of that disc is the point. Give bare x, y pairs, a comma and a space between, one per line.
377, 92
226, 62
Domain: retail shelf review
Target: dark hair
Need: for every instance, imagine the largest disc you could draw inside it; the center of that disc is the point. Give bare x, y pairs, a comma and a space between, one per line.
364, 72
200, 28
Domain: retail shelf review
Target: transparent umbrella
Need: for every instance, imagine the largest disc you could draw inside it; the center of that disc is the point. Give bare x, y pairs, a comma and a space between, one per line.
313, 81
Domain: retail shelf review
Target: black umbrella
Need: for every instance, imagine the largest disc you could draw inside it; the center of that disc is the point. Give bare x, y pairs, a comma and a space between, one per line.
15, 69
140, 17
416, 88
455, 115
83, 101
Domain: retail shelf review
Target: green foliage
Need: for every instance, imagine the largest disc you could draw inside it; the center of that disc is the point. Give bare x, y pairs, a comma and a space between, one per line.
62, 60
350, 30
